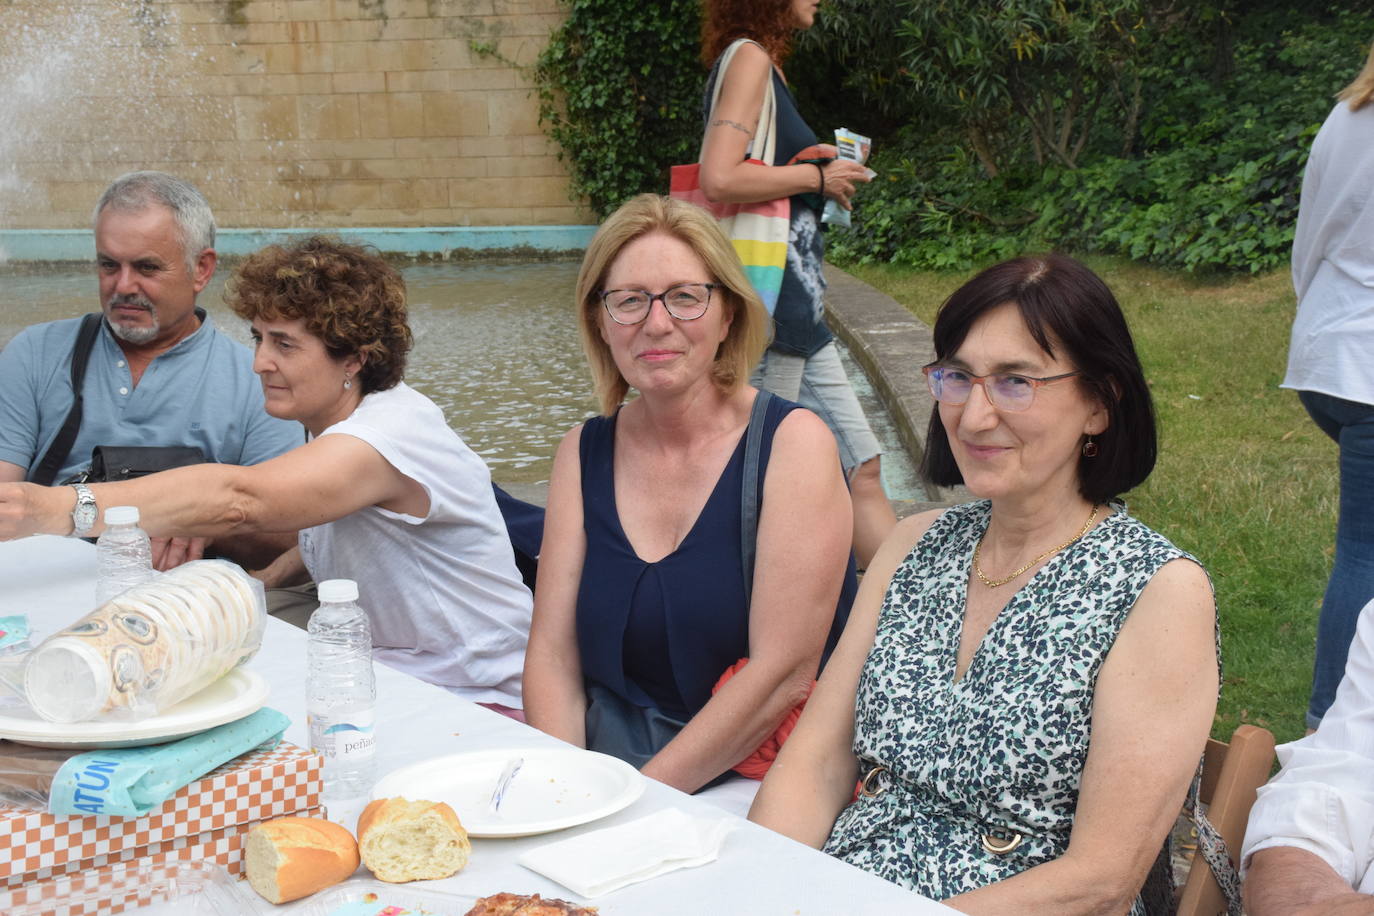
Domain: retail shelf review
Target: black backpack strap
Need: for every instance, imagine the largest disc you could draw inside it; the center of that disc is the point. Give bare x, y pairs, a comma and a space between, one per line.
749, 491
47, 469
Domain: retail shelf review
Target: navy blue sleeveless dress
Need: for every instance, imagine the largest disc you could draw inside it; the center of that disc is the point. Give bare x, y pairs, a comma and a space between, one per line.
660, 634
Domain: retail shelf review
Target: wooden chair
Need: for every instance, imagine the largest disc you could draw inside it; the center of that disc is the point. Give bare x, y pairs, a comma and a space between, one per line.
1231, 774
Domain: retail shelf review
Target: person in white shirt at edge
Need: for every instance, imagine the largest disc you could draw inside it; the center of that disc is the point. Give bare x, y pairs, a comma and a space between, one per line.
1309, 848
384, 492
1329, 356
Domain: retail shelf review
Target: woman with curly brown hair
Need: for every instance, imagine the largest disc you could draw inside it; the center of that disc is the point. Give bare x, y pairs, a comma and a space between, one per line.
383, 492
802, 363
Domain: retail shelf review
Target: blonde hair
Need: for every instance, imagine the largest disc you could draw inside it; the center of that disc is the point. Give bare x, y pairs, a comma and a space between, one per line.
1361, 91
750, 326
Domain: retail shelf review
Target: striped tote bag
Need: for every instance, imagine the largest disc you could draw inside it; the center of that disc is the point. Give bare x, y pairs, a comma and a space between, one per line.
757, 230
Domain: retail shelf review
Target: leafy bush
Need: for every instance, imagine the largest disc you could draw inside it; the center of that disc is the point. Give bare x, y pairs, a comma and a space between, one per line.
620, 88
1214, 183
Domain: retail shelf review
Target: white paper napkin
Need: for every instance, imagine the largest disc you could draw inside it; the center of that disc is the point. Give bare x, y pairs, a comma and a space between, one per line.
602, 861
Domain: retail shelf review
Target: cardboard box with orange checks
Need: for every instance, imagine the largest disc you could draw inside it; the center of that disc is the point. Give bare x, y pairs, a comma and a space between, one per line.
205, 821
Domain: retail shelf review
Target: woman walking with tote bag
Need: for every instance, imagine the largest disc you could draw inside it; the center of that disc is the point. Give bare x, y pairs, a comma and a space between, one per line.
802, 363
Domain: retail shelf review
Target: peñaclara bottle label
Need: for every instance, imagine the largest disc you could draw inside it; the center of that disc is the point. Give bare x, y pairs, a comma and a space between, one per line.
343, 736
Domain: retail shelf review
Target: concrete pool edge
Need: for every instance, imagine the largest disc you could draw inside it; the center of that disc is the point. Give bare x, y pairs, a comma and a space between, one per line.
441, 242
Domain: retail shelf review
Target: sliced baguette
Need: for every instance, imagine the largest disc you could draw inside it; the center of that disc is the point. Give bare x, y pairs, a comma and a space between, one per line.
293, 857
402, 840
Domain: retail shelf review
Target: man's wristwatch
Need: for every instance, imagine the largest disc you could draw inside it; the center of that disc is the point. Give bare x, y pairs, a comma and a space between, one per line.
83, 513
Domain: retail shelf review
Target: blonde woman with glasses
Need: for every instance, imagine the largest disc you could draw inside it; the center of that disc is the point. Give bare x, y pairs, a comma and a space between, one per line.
644, 598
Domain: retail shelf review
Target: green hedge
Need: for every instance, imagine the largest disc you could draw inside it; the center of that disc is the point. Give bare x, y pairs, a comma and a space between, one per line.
620, 92
1214, 184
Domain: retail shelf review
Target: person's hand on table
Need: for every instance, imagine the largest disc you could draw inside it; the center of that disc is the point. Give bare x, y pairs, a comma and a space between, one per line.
170, 552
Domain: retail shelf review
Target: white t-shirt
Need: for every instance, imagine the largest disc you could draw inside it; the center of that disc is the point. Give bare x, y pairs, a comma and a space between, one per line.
445, 600
1333, 262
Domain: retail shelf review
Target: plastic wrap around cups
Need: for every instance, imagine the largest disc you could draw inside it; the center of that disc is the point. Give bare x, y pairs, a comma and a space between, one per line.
150, 647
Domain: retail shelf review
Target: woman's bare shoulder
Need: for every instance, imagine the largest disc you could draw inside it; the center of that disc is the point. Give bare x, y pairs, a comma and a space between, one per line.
802, 429
572, 436
567, 456
753, 51
750, 62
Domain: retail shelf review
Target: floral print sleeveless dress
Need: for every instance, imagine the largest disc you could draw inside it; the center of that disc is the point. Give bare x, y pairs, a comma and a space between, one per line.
1000, 752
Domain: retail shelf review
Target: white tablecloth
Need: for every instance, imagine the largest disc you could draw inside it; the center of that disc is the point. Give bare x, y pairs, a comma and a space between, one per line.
52, 580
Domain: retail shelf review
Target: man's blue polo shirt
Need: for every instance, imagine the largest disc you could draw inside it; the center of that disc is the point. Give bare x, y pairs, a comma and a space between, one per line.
201, 392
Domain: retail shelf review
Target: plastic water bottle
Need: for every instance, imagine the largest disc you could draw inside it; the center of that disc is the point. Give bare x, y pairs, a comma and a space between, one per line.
124, 556
341, 691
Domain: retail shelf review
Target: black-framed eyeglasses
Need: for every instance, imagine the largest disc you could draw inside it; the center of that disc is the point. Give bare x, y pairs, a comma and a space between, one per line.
685, 302
1005, 390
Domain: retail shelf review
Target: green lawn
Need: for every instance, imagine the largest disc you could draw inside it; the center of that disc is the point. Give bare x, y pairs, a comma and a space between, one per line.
1245, 481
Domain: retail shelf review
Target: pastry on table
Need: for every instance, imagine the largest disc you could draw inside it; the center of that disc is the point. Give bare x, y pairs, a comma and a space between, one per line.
527, 905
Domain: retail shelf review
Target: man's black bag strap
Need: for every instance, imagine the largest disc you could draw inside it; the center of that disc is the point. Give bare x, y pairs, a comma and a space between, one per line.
47, 469
749, 492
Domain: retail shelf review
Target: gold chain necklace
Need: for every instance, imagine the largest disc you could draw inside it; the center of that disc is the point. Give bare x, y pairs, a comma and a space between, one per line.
993, 583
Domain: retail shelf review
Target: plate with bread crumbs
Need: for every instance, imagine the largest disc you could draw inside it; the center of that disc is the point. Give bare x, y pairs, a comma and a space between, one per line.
555, 788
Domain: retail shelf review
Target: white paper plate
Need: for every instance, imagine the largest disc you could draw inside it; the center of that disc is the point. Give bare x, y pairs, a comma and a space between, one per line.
556, 788
237, 694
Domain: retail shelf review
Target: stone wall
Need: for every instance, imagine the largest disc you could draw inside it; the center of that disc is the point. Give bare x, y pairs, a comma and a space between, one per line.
332, 113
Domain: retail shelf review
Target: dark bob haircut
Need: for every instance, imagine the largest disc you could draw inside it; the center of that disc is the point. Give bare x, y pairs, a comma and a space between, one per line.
1064, 305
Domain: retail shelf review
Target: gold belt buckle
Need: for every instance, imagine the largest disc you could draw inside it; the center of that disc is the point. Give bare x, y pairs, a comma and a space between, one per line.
874, 782
1000, 846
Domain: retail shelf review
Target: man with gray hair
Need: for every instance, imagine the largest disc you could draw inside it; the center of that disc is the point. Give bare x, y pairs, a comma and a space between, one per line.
159, 373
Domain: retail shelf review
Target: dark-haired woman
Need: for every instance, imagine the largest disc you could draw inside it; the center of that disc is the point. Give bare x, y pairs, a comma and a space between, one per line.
1026, 681
802, 363
384, 492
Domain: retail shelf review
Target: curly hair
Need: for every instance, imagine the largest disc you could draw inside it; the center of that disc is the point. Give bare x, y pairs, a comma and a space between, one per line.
347, 296
769, 22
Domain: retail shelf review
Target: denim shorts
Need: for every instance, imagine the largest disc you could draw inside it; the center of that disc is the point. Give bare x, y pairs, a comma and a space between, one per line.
819, 384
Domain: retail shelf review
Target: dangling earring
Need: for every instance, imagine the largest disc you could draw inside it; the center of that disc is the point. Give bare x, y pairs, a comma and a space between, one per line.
1090, 448
348, 383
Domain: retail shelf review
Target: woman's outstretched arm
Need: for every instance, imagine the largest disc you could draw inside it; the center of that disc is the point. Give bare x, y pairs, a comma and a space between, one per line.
319, 482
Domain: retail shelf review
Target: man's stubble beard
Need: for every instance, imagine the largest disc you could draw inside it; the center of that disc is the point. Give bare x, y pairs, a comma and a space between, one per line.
134, 334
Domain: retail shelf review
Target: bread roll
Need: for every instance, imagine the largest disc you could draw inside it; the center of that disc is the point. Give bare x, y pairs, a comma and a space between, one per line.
293, 857
404, 840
